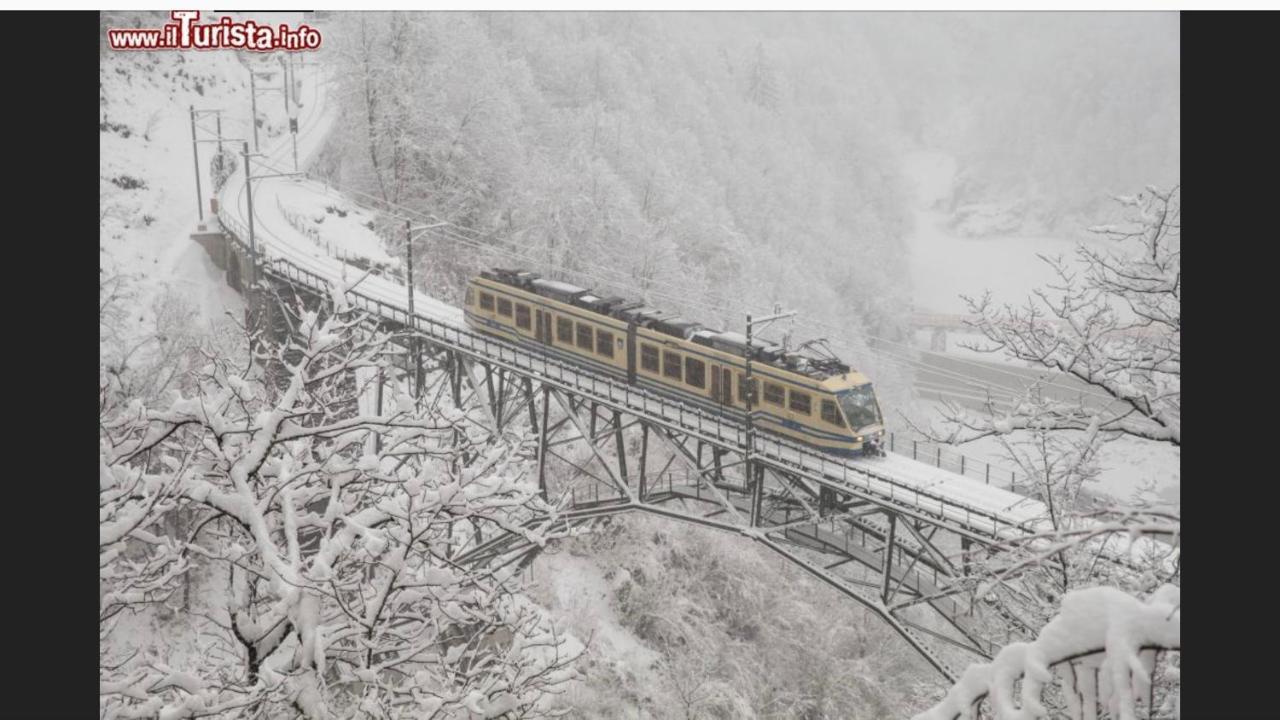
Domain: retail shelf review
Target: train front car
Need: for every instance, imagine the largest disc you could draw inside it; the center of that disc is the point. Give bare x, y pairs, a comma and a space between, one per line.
861, 410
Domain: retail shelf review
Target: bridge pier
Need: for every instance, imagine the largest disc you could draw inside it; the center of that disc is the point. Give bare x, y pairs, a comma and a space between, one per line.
938, 340
210, 237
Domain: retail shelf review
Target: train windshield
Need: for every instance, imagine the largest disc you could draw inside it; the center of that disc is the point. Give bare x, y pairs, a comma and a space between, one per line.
860, 407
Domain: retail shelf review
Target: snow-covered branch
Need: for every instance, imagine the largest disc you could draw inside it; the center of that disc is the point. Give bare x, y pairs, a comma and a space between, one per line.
330, 534
1099, 630
1111, 322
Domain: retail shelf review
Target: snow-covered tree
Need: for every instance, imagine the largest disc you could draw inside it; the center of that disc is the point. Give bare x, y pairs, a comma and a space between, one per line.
326, 536
1113, 323
1101, 647
632, 153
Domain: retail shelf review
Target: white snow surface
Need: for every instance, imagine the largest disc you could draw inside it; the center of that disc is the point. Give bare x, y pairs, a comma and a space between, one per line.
579, 593
335, 225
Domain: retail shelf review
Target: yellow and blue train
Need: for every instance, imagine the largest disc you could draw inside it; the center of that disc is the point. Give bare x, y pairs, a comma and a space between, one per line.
818, 401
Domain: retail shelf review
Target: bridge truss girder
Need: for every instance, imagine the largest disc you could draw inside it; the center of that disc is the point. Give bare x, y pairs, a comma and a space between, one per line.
626, 463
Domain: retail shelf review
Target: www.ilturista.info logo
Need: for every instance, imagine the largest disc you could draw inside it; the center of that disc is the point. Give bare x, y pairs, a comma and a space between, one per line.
185, 34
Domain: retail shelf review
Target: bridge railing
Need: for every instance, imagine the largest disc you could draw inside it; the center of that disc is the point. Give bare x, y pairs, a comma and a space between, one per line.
944, 457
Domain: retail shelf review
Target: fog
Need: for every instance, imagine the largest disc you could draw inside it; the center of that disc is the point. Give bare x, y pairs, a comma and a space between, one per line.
1048, 108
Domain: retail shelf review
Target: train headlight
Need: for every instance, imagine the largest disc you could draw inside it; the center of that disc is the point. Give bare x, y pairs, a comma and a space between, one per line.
859, 438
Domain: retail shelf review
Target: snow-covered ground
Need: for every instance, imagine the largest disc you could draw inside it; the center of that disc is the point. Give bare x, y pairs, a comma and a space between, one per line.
147, 194
575, 588
333, 222
945, 266
1131, 470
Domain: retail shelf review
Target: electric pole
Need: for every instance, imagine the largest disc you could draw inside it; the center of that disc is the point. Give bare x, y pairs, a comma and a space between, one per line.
757, 492
195, 151
253, 244
409, 229
253, 101
757, 483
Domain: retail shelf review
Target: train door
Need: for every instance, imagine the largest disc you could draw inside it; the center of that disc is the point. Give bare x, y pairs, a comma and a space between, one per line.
721, 385
543, 327
631, 353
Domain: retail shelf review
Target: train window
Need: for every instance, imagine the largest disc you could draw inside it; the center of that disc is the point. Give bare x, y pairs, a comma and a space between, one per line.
564, 330
522, 316
504, 307
604, 343
830, 413
586, 334
800, 402
648, 358
486, 301
742, 387
471, 297
774, 394
671, 364
695, 372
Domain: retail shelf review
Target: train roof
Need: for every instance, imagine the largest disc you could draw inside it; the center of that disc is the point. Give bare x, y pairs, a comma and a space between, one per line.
669, 323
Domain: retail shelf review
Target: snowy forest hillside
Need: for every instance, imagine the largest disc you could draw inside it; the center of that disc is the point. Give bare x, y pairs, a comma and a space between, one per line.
688, 157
